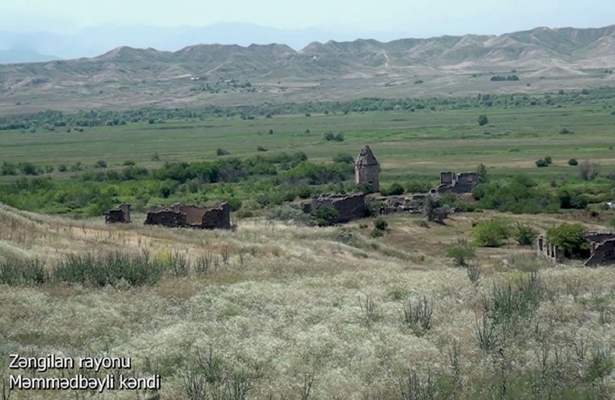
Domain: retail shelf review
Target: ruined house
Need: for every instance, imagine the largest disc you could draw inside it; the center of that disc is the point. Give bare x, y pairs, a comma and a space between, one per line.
600, 249
119, 215
217, 217
348, 207
452, 182
187, 216
366, 171
412, 203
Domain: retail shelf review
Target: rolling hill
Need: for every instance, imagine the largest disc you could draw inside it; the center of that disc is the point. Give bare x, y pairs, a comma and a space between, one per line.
544, 58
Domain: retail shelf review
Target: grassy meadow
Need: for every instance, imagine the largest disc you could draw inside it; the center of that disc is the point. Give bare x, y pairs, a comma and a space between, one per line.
423, 142
291, 312
377, 309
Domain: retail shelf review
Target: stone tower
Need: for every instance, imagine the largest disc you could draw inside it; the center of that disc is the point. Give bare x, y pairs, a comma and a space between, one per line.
366, 170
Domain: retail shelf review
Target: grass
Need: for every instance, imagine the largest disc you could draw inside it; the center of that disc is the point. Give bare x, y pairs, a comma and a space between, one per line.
407, 143
278, 310
265, 311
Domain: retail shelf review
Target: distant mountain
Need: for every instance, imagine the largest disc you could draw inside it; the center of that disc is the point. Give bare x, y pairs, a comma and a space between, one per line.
201, 73
89, 42
23, 55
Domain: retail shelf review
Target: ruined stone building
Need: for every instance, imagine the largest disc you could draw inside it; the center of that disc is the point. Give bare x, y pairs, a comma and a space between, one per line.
119, 215
367, 170
410, 203
451, 182
601, 249
187, 216
348, 207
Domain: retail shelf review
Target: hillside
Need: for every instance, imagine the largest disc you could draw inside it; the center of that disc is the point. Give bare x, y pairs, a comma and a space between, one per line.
280, 317
543, 58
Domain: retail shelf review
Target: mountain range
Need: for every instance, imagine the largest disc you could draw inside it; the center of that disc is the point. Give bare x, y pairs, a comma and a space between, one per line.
543, 59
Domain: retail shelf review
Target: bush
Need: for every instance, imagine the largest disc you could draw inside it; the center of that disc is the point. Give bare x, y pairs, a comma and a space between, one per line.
343, 158
418, 186
518, 195
129, 163
23, 272
588, 171
8, 169
525, 235
570, 238
325, 215
573, 162
394, 190
492, 233
261, 148
483, 120
548, 160
542, 163
568, 200
335, 137
418, 316
566, 131
109, 269
380, 224
27, 168
461, 252
100, 164
481, 171
222, 152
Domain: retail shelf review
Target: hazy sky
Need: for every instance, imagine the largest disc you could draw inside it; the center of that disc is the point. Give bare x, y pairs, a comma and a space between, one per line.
412, 17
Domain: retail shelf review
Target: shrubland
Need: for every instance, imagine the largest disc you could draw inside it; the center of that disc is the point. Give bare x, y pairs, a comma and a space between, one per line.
279, 310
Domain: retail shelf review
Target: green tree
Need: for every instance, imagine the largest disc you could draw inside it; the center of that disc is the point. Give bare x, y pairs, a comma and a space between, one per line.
525, 235
492, 233
481, 171
570, 238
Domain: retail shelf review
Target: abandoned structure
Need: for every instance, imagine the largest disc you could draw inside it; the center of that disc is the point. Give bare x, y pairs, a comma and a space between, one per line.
348, 207
366, 171
452, 182
601, 249
413, 203
186, 216
119, 215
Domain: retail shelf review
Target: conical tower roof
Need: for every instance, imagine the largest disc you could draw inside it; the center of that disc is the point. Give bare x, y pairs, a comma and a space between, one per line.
366, 157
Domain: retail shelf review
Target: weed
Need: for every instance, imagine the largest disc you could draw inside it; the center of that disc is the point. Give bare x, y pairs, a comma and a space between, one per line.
418, 316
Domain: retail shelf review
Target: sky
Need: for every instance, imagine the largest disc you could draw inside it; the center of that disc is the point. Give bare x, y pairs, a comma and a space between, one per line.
409, 17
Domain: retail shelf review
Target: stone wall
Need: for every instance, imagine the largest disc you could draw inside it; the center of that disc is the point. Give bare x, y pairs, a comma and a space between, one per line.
451, 182
166, 217
120, 215
446, 178
217, 218
348, 207
547, 250
413, 204
194, 215
602, 253
465, 182
186, 216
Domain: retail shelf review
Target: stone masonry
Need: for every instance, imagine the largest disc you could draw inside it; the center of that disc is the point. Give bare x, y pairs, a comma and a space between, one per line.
367, 170
119, 215
348, 207
187, 216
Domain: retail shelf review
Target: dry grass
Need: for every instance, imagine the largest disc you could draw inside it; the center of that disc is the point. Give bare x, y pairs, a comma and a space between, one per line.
289, 306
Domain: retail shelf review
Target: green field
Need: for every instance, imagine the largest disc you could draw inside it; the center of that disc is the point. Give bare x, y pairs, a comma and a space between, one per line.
412, 146
415, 143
